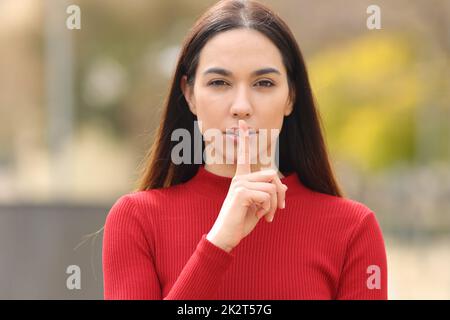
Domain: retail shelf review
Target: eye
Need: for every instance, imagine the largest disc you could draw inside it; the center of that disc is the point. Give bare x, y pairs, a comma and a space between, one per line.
265, 83
262, 83
217, 83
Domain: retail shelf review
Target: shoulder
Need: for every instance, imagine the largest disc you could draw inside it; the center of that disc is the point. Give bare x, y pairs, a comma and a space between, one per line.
141, 205
123, 211
128, 207
347, 221
145, 198
344, 211
127, 225
131, 213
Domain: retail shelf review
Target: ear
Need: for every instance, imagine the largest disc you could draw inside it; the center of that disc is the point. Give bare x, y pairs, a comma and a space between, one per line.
188, 94
288, 110
289, 106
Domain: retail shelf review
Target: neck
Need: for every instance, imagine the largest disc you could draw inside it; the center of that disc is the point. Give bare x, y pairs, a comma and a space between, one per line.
228, 170
216, 185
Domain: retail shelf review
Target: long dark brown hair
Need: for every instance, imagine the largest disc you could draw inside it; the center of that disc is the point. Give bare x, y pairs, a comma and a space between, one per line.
301, 144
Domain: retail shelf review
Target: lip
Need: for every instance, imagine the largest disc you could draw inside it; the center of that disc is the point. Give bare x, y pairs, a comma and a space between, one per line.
236, 134
235, 131
234, 137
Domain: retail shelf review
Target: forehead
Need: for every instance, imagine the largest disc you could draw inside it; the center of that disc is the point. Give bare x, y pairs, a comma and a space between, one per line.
240, 50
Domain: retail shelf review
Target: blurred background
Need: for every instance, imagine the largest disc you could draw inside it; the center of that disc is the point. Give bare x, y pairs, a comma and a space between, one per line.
78, 108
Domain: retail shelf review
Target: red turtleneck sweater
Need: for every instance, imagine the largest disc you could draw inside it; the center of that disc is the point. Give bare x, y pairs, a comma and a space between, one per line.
318, 247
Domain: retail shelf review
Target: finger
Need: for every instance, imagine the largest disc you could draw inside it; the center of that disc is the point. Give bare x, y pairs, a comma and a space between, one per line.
270, 175
243, 158
266, 187
261, 199
260, 213
273, 209
281, 192
264, 175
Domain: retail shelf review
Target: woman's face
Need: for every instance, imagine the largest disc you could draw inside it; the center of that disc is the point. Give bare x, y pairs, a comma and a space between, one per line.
240, 75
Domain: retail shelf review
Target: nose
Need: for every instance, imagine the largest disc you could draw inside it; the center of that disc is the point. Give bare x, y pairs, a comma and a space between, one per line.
241, 106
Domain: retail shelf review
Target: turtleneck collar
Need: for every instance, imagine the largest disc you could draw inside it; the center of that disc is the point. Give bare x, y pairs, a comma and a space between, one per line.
211, 184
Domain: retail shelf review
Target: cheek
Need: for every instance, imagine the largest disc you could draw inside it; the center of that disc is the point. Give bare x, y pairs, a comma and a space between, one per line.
271, 109
211, 110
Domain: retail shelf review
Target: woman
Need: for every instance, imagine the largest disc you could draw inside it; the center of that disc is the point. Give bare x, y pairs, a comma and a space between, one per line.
192, 230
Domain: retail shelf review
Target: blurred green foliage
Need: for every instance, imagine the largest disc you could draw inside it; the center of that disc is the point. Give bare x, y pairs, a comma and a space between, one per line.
369, 91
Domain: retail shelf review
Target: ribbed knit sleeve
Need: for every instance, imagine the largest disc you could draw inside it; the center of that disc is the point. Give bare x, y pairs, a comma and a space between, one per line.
129, 254
364, 273
202, 274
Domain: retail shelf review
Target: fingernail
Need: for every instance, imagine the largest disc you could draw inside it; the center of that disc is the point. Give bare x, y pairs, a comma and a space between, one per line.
271, 219
284, 204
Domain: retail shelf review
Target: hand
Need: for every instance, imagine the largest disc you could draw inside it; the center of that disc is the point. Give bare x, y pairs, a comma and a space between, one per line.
251, 196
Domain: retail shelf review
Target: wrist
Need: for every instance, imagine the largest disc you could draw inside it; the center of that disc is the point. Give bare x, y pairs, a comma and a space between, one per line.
215, 240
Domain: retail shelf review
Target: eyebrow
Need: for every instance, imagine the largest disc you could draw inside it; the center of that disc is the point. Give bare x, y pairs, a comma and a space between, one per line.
227, 73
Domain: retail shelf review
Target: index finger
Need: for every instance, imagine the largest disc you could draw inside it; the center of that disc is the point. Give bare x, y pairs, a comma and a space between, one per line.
243, 155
